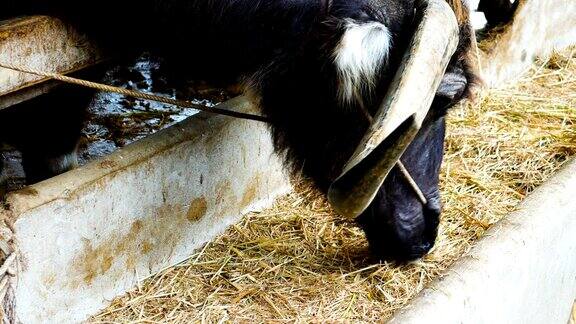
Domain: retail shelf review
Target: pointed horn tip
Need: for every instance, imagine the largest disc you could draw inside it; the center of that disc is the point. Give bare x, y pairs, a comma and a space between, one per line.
338, 203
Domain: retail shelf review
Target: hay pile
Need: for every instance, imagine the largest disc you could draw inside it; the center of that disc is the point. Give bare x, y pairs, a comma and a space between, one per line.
299, 261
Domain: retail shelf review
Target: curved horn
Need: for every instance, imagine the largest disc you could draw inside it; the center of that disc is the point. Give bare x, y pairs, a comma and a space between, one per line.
402, 111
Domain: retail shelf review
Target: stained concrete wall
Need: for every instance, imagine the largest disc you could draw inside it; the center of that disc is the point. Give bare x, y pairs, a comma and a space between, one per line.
89, 235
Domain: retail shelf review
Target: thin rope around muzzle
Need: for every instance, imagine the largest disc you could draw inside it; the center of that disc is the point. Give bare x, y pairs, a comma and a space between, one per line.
399, 163
412, 183
134, 94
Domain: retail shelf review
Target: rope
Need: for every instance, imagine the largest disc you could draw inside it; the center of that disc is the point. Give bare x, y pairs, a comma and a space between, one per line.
399, 163
7, 267
135, 94
412, 183
7, 263
188, 104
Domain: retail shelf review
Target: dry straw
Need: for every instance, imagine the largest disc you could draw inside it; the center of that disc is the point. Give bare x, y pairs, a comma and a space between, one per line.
298, 261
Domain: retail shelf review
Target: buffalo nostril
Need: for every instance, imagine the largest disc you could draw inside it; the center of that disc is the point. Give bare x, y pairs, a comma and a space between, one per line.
426, 247
420, 250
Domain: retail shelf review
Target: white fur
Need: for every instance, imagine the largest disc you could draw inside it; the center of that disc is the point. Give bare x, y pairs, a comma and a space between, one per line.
361, 52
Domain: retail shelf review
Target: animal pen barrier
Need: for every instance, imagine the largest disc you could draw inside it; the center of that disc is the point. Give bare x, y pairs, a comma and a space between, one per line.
108, 225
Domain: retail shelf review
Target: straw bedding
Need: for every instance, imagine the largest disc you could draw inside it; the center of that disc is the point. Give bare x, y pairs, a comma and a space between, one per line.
298, 261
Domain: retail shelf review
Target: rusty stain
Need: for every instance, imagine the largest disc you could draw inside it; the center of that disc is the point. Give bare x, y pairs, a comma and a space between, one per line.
28, 191
146, 247
131, 262
95, 261
136, 227
197, 209
251, 192
149, 239
108, 164
225, 201
106, 263
49, 279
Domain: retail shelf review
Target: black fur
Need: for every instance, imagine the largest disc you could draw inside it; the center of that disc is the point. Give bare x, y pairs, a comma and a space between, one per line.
498, 12
46, 131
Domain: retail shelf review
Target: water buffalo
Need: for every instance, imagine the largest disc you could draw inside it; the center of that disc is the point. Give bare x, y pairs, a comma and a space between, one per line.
318, 69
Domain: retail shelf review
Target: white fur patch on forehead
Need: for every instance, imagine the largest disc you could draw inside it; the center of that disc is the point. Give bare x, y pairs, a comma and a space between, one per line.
361, 52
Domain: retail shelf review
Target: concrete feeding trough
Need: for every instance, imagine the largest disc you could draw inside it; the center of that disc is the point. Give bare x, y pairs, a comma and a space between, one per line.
88, 235
72, 243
